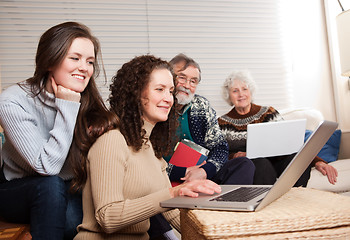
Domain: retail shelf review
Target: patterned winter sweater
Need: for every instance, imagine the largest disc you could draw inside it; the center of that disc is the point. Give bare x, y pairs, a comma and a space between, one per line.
205, 131
234, 126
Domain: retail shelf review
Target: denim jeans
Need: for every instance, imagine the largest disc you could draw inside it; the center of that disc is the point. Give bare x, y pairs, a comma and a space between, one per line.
236, 171
43, 202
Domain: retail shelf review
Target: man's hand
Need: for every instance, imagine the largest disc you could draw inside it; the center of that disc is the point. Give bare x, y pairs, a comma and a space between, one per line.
64, 93
194, 167
195, 174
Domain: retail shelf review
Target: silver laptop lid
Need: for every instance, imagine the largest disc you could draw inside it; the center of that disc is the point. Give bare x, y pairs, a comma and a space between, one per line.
300, 162
288, 178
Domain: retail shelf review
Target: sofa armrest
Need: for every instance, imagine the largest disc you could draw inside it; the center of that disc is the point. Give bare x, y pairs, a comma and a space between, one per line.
344, 149
313, 116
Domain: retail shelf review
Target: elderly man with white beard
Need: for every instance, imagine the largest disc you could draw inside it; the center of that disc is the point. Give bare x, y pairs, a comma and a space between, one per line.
198, 123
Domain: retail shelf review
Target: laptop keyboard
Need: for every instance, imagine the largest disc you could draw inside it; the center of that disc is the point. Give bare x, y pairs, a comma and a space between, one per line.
242, 194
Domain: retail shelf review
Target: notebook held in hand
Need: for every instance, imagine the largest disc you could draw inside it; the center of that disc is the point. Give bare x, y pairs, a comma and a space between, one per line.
188, 154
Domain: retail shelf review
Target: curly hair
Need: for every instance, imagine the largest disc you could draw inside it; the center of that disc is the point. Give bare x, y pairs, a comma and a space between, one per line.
125, 101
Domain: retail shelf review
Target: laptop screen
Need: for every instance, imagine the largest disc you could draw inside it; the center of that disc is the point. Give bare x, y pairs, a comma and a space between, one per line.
275, 138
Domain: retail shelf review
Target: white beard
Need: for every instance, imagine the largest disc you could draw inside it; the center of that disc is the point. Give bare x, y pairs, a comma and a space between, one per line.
184, 99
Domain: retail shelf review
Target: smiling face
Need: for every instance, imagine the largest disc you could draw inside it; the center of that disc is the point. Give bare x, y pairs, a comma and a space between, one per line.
240, 96
157, 97
76, 69
185, 91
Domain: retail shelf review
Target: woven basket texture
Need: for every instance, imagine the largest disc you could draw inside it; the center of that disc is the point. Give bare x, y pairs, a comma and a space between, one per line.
317, 214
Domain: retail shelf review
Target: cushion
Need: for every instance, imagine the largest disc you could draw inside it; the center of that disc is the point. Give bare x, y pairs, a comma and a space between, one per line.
313, 116
318, 181
330, 150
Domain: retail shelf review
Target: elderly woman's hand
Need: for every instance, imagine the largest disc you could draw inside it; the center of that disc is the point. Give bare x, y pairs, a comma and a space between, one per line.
239, 154
194, 187
328, 170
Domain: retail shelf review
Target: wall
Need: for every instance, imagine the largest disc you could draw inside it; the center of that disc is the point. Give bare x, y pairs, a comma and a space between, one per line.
341, 84
312, 80
309, 65
220, 35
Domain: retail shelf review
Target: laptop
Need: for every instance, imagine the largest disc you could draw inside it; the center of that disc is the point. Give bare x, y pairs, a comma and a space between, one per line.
267, 193
275, 138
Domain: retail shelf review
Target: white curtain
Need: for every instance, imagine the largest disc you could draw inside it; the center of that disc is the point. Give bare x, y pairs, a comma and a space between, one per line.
220, 35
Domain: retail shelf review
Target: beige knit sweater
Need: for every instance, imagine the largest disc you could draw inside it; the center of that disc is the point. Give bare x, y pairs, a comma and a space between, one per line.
123, 190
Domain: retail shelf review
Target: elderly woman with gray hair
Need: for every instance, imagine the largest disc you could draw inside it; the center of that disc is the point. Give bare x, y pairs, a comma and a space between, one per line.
238, 90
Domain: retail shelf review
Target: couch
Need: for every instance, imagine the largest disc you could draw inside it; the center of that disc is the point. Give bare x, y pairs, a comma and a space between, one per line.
342, 164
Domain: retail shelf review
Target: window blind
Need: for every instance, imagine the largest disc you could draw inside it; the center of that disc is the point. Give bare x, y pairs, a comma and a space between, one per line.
220, 35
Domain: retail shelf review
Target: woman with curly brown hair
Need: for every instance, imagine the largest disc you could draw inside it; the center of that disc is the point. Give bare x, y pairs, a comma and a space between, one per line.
126, 174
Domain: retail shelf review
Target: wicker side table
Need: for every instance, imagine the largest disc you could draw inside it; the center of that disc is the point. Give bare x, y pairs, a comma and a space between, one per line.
301, 213
14, 231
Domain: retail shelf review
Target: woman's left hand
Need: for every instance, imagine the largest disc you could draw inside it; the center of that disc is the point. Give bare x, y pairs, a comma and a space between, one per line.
328, 170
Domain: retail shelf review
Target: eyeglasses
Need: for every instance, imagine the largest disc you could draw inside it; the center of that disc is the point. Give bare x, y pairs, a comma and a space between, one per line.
183, 79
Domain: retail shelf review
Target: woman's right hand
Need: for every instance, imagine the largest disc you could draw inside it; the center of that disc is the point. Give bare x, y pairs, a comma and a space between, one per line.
194, 187
64, 93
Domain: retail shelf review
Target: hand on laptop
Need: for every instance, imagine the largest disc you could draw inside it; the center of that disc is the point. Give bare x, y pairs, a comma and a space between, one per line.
194, 187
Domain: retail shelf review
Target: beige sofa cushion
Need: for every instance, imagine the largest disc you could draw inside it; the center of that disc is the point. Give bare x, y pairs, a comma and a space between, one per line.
318, 181
313, 116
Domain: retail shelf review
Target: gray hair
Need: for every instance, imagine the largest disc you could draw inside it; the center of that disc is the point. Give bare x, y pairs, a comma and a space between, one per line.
187, 61
242, 76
